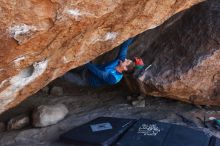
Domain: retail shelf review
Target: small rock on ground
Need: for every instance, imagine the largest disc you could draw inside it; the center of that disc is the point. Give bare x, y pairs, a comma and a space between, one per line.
141, 97
56, 91
18, 122
138, 103
46, 115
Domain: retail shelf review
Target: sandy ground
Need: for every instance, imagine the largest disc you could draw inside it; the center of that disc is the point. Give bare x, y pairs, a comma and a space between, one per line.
86, 104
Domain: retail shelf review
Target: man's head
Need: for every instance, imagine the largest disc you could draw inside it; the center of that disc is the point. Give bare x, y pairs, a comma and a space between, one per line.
126, 66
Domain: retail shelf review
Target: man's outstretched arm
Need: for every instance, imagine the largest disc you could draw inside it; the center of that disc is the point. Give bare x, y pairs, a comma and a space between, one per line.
124, 48
108, 78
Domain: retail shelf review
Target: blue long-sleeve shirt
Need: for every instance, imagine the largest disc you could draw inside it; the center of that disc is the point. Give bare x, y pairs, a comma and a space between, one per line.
107, 74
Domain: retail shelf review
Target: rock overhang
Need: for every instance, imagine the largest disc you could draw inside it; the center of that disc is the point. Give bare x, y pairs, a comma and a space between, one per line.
67, 34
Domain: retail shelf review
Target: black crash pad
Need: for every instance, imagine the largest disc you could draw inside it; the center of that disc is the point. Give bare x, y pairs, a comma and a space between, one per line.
214, 141
152, 133
102, 131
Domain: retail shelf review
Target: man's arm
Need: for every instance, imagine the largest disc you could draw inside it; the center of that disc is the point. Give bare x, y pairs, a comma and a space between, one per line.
105, 76
124, 48
122, 52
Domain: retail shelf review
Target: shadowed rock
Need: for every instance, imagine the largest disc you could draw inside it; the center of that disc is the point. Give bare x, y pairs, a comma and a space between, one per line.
56, 91
18, 122
2, 127
182, 57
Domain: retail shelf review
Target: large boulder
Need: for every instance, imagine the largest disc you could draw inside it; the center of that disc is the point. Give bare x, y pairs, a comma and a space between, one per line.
46, 115
41, 40
182, 57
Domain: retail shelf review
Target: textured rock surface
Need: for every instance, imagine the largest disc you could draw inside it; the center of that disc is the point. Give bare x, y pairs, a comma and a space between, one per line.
46, 115
41, 40
87, 104
184, 55
18, 122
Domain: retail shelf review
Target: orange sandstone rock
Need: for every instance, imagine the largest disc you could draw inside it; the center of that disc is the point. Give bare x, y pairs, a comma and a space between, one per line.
40, 40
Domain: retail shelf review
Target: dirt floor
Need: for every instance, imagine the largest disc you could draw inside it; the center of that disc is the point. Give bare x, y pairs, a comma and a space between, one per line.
85, 104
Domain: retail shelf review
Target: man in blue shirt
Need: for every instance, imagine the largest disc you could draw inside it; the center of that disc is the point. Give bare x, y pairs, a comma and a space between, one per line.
101, 75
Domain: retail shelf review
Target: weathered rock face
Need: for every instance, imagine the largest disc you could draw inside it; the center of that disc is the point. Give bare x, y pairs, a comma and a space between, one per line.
46, 115
184, 54
18, 122
41, 40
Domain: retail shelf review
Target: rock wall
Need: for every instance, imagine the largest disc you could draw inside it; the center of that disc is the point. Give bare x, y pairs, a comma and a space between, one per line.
40, 40
182, 57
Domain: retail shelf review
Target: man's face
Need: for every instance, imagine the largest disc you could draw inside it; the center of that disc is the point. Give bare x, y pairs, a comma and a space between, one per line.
123, 64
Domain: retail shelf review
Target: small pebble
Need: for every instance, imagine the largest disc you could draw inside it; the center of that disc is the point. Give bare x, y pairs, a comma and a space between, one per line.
135, 102
141, 103
56, 91
141, 97
138, 103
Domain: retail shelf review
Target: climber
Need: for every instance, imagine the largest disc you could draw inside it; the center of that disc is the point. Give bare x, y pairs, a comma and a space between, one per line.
100, 75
